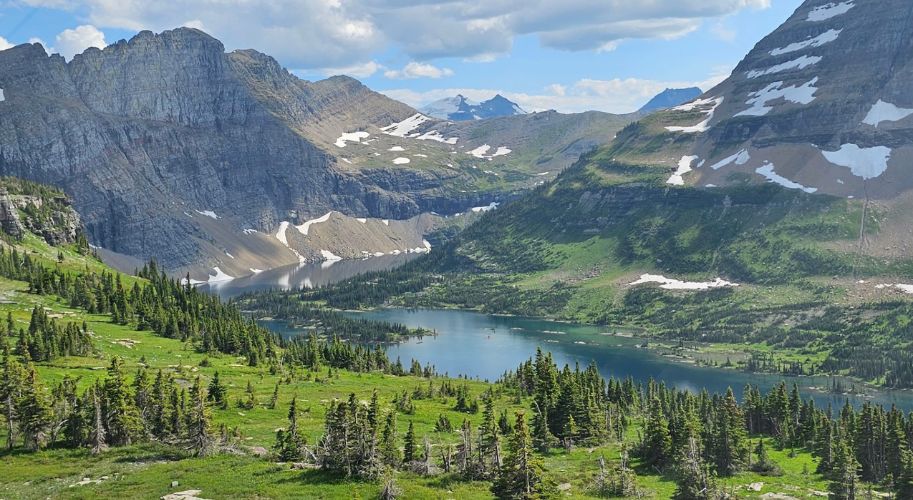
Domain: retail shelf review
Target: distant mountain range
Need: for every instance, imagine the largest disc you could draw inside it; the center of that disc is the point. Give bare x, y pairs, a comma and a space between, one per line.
223, 164
670, 98
459, 108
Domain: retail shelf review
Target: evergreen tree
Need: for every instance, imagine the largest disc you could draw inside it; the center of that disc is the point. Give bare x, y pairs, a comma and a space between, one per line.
695, 481
198, 420
522, 475
290, 442
410, 445
657, 446
217, 392
11, 376
389, 451
845, 475
34, 412
122, 420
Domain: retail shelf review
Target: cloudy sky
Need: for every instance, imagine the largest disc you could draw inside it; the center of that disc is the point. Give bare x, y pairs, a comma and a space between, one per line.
569, 55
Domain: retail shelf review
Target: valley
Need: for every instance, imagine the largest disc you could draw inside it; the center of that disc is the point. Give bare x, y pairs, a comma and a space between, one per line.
221, 277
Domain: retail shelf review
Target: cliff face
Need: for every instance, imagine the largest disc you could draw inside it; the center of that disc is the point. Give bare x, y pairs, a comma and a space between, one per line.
39, 209
144, 131
173, 149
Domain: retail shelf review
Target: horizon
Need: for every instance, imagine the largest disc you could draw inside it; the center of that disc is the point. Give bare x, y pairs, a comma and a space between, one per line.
614, 62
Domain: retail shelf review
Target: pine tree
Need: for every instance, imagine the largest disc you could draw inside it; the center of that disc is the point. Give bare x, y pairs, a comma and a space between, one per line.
389, 451
845, 475
217, 392
410, 445
274, 399
198, 418
905, 479
522, 475
695, 481
290, 442
34, 412
657, 447
122, 418
11, 376
729, 445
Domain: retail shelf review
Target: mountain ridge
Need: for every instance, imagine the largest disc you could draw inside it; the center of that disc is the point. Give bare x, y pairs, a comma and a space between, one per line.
460, 108
155, 131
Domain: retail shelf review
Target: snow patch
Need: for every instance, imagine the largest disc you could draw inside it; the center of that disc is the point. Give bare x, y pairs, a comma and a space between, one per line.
486, 208
386, 222
767, 171
480, 151
798, 63
230, 256
401, 161
674, 284
219, 276
827, 11
280, 235
885, 112
250, 231
739, 158
867, 163
328, 255
713, 102
355, 137
903, 288
426, 244
303, 228
826, 37
2, 97
684, 166
403, 128
803, 94
434, 135
255, 270
362, 220
208, 213
397, 149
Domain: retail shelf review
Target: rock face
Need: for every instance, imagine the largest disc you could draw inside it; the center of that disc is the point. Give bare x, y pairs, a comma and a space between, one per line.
460, 108
9, 216
670, 98
823, 104
42, 210
174, 149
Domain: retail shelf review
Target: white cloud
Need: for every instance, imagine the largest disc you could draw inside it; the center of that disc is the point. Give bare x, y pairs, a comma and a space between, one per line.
4, 44
74, 41
415, 70
313, 34
363, 70
612, 96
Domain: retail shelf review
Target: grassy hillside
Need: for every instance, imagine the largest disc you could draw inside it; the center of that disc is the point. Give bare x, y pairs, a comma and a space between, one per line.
811, 287
147, 470
246, 466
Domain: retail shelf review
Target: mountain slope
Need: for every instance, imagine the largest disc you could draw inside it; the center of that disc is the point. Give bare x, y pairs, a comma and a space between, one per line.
460, 108
174, 149
670, 98
822, 104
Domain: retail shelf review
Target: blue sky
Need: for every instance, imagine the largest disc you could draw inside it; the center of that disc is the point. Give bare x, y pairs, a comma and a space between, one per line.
569, 55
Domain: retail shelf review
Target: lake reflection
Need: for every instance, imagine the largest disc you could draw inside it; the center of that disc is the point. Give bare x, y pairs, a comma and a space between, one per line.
304, 275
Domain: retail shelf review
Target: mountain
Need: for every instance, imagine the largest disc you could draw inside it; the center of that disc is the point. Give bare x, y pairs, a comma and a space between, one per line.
773, 194
670, 98
218, 163
460, 108
822, 104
